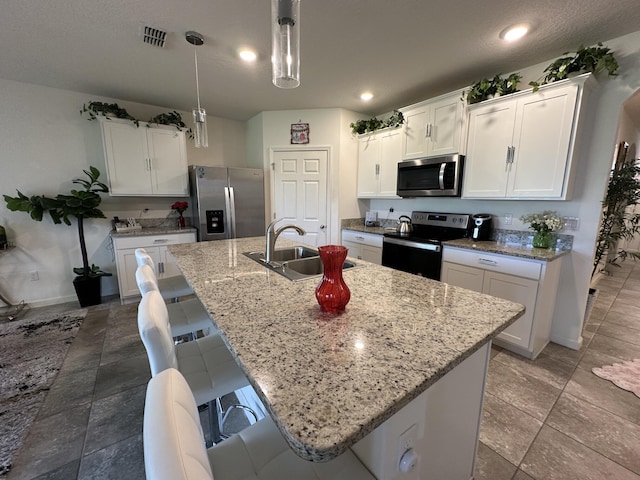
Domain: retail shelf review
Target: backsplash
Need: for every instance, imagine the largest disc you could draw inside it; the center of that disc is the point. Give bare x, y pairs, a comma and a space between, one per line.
506, 237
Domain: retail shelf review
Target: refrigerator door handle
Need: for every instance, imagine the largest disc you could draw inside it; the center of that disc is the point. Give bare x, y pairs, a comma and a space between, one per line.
232, 202
228, 222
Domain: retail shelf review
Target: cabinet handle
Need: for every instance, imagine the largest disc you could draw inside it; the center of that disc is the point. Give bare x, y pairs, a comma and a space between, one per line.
359, 238
161, 267
486, 261
508, 156
161, 240
429, 132
513, 154
377, 169
150, 164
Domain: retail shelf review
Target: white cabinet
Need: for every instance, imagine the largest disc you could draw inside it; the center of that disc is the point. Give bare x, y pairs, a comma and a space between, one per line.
433, 127
378, 157
364, 246
145, 161
532, 283
156, 247
521, 145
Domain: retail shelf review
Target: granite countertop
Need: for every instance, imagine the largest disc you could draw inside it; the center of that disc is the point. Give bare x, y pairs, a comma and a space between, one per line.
515, 250
328, 380
152, 231
504, 242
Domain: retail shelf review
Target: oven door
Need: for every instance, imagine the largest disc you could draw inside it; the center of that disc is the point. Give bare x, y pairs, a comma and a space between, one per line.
419, 258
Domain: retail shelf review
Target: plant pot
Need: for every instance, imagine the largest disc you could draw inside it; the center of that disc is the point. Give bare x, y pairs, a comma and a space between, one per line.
543, 239
88, 290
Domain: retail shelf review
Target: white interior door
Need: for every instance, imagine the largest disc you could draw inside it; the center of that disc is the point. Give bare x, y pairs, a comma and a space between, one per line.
300, 193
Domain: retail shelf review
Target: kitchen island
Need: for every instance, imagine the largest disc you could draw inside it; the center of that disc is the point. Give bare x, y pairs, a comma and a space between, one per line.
330, 381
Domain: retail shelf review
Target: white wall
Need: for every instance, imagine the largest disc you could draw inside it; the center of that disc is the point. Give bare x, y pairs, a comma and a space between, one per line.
595, 152
45, 144
327, 128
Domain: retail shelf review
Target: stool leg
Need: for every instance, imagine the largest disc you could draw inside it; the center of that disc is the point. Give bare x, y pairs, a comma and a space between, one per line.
214, 421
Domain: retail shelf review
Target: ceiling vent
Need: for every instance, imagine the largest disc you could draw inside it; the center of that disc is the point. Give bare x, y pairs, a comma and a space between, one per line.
153, 36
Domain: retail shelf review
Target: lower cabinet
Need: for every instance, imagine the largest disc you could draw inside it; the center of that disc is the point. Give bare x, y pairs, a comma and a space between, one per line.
533, 283
156, 247
363, 246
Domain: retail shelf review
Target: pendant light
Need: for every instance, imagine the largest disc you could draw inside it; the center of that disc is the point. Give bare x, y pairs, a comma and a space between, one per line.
285, 33
199, 114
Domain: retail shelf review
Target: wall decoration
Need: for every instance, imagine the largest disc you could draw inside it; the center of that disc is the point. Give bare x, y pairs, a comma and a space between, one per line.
299, 133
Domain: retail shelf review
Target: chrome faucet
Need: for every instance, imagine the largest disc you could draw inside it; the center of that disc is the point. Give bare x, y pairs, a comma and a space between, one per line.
273, 234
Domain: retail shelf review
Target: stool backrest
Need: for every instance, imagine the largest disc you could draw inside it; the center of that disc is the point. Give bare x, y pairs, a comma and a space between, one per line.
173, 441
155, 332
143, 258
146, 279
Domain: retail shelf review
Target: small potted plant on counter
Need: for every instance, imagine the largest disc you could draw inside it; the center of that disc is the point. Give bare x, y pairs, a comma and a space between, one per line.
80, 204
544, 224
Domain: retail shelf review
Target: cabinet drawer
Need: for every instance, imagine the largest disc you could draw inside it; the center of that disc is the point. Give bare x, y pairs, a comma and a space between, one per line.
370, 239
496, 263
143, 241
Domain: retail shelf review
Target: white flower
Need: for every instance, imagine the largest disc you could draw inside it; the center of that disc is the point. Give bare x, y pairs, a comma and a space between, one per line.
547, 221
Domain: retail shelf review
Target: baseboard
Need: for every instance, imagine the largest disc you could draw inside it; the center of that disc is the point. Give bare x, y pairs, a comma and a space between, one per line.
565, 342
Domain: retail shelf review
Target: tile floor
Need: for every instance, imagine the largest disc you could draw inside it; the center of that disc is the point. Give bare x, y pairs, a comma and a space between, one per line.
547, 419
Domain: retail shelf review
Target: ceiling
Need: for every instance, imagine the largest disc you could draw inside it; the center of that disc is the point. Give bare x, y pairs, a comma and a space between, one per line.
402, 50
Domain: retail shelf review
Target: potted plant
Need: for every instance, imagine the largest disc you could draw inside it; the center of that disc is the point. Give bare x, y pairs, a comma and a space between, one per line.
586, 59
618, 222
80, 204
488, 88
544, 224
373, 124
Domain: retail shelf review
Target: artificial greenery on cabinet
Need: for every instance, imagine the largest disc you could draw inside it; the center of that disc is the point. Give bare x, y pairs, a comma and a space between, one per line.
93, 110
490, 87
594, 60
371, 125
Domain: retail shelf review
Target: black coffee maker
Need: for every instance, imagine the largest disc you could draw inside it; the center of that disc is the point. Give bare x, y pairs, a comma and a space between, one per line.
481, 223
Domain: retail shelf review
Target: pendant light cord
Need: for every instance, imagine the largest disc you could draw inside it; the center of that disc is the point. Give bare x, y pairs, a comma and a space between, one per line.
195, 56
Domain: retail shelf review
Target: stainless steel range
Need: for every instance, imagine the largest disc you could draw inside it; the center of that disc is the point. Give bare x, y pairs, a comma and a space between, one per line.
420, 251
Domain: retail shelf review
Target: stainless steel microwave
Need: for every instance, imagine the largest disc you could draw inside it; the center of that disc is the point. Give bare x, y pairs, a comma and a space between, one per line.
431, 177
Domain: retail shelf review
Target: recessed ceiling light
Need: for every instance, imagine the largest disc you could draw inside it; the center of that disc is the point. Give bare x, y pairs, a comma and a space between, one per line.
247, 55
514, 32
366, 96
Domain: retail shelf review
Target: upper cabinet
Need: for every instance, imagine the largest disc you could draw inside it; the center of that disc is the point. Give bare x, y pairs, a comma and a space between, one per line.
521, 146
433, 127
144, 161
378, 157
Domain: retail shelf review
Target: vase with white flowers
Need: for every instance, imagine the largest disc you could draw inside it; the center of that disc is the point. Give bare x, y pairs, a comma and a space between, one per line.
545, 225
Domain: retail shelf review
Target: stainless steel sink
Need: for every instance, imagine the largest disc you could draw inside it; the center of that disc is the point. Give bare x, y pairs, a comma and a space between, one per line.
298, 263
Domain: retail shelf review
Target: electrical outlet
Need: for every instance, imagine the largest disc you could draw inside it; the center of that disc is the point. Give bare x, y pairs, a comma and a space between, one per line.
34, 276
390, 209
508, 218
571, 223
407, 441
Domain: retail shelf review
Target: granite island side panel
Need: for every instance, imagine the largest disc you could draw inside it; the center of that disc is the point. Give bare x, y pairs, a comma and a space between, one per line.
328, 380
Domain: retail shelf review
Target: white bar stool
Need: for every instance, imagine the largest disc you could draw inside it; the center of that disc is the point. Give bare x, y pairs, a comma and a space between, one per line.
174, 450
206, 363
186, 317
172, 287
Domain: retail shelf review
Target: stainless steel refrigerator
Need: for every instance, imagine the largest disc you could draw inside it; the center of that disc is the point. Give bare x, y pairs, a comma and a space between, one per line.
227, 202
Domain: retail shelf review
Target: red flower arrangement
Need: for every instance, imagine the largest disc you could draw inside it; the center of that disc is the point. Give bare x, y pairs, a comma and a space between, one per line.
180, 207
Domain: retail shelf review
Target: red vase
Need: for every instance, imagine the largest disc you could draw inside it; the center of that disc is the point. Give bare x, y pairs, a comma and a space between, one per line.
181, 223
332, 292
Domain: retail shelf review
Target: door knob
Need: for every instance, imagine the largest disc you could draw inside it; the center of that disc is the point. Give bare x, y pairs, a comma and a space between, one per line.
322, 227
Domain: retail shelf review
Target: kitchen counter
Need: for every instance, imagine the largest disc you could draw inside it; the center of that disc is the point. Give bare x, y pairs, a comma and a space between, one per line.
515, 250
329, 380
